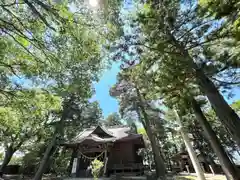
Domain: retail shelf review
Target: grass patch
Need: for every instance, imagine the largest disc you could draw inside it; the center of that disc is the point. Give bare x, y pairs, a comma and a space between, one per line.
208, 177
185, 178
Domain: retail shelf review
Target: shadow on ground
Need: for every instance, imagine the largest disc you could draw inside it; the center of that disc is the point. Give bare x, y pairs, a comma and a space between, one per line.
185, 177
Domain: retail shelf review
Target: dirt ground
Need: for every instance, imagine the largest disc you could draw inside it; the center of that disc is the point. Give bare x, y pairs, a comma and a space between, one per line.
175, 177
194, 177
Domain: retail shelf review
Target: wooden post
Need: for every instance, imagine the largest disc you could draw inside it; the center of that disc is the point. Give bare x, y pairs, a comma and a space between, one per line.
211, 170
187, 167
106, 161
74, 155
190, 150
74, 166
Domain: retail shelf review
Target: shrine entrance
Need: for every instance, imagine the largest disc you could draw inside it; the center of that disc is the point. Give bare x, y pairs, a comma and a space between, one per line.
84, 163
114, 146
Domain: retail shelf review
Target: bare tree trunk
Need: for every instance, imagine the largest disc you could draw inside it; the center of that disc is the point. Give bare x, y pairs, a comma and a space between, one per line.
7, 158
160, 167
59, 131
48, 153
175, 146
156, 153
238, 152
191, 152
224, 112
227, 166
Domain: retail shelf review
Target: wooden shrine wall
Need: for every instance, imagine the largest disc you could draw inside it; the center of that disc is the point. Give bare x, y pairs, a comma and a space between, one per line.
121, 153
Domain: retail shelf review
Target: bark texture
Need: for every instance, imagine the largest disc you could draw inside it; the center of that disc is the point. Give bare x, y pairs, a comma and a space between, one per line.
191, 151
227, 166
48, 153
59, 131
224, 112
160, 167
7, 157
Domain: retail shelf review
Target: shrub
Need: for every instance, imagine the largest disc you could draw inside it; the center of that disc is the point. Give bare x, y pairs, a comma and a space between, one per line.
96, 168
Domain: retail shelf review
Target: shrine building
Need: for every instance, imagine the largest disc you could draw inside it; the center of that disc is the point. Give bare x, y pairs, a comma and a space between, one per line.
117, 147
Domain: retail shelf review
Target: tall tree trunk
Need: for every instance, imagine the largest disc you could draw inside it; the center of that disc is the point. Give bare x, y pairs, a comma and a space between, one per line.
7, 157
49, 151
238, 152
175, 146
59, 131
45, 160
227, 166
191, 152
224, 112
160, 167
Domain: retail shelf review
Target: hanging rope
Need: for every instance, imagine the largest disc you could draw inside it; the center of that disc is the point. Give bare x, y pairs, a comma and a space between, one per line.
91, 158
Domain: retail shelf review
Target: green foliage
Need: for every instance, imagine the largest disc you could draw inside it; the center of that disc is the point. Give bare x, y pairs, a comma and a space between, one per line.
172, 44
82, 115
16, 160
31, 159
50, 53
24, 119
113, 119
1, 156
141, 131
60, 50
25, 27
96, 168
60, 162
236, 106
17, 124
33, 152
220, 9
47, 42
169, 46
222, 133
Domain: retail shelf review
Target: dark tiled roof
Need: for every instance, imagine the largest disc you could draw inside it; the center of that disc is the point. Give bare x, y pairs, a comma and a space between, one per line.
111, 134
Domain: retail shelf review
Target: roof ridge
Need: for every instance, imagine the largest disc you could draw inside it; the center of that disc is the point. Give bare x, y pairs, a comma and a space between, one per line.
79, 135
119, 126
106, 127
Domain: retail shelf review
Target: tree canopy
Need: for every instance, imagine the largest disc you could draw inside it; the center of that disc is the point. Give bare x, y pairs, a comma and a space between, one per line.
175, 56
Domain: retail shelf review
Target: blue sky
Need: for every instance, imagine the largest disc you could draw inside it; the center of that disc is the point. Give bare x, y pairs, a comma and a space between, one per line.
110, 105
236, 92
108, 79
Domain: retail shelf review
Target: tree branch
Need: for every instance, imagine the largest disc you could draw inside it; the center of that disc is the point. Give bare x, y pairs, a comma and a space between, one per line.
20, 33
6, 93
18, 146
218, 71
154, 109
34, 10
205, 42
15, 29
154, 49
11, 4
194, 27
22, 46
222, 83
10, 67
